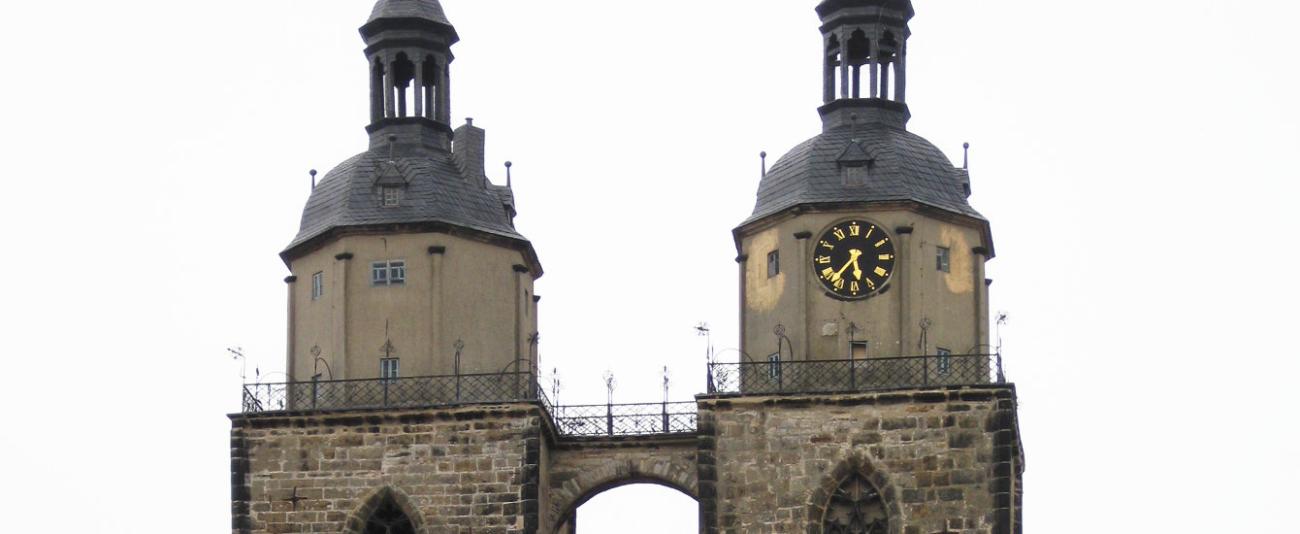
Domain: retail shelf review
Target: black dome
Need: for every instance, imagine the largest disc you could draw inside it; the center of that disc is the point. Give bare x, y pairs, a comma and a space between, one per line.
904, 167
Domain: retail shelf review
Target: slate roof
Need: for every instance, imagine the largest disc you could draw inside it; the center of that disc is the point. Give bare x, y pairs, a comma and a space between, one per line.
905, 167
420, 9
437, 191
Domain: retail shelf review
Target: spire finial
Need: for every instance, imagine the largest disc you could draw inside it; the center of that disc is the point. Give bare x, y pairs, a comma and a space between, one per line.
965, 156
313, 178
763, 156
509, 181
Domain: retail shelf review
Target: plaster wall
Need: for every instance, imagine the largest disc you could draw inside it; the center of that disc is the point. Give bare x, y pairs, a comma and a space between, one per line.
468, 290
818, 326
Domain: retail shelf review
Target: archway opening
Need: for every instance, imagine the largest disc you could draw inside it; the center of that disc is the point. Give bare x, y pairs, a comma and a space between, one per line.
638, 508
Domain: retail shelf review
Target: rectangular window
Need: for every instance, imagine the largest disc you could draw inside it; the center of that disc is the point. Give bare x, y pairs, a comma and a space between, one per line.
773, 263
389, 368
774, 366
392, 196
944, 360
397, 272
942, 260
857, 350
385, 273
317, 286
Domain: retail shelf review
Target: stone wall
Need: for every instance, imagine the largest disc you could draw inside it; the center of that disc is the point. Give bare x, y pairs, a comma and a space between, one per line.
944, 461
579, 469
451, 470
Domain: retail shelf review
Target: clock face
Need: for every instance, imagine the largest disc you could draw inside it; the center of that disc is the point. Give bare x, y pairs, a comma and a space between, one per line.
853, 259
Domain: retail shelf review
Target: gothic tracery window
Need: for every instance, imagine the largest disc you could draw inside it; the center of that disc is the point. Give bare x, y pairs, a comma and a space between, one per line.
856, 508
389, 519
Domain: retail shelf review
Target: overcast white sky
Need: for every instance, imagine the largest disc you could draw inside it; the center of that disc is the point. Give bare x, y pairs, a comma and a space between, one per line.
1137, 160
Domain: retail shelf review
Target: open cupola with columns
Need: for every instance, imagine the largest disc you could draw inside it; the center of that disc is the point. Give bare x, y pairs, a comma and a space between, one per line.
407, 261
863, 243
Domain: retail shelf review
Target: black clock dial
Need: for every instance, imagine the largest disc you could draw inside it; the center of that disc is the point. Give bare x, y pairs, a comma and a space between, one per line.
853, 259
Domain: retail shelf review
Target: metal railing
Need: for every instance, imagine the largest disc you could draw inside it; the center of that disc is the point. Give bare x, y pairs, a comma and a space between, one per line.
451, 390
625, 419
838, 376
415, 392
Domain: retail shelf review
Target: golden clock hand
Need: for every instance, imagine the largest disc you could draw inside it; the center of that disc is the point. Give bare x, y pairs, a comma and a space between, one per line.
857, 271
853, 260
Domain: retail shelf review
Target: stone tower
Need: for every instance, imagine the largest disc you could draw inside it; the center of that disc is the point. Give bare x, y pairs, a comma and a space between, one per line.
413, 405
862, 243
408, 262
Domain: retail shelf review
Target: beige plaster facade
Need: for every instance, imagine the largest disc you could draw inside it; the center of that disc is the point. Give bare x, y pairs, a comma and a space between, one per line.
920, 309
456, 288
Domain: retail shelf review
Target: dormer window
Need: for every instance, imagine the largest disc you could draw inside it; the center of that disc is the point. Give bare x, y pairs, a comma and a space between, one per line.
392, 196
857, 174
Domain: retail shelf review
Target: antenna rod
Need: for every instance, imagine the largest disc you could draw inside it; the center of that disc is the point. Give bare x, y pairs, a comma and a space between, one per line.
509, 182
965, 156
313, 179
763, 156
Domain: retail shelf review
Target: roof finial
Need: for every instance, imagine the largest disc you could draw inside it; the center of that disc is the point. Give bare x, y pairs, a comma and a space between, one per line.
392, 143
469, 121
509, 182
313, 178
763, 156
965, 156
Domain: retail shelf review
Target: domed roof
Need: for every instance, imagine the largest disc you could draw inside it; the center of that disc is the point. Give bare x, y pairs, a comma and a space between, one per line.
903, 167
412, 9
434, 190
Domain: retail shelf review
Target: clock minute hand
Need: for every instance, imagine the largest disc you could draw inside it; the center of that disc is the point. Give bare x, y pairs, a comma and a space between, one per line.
853, 260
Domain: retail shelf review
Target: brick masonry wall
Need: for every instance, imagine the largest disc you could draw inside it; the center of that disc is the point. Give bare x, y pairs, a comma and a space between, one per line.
945, 461
458, 470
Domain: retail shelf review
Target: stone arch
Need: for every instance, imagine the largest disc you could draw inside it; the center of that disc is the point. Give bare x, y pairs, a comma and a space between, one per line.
590, 483
356, 522
861, 466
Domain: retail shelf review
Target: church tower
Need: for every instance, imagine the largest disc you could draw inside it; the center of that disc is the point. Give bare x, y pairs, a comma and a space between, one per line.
862, 243
407, 262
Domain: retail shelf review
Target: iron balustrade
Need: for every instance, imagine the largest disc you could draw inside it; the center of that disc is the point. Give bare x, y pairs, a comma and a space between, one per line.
414, 392
452, 390
840, 376
625, 419
746, 378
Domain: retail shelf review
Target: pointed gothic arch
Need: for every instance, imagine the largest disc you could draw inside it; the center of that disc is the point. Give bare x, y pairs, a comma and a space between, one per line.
855, 498
386, 510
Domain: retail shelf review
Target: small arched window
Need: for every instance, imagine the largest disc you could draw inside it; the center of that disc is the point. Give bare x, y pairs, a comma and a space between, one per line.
856, 508
389, 519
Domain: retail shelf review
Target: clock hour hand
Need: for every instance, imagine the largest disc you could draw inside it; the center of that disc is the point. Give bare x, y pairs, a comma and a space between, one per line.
853, 260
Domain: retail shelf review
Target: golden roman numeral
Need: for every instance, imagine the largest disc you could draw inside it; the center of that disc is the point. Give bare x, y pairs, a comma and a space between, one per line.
886, 257
824, 260
869, 232
853, 286
839, 234
870, 285
881, 272
855, 230
827, 273
827, 244
839, 284
882, 242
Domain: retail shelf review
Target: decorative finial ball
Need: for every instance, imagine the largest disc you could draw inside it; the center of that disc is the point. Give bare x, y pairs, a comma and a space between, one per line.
965, 145
763, 154
312, 173
509, 165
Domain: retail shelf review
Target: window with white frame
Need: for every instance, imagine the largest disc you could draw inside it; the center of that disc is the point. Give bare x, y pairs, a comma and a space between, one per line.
392, 196
317, 286
774, 366
944, 360
388, 273
389, 368
943, 259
